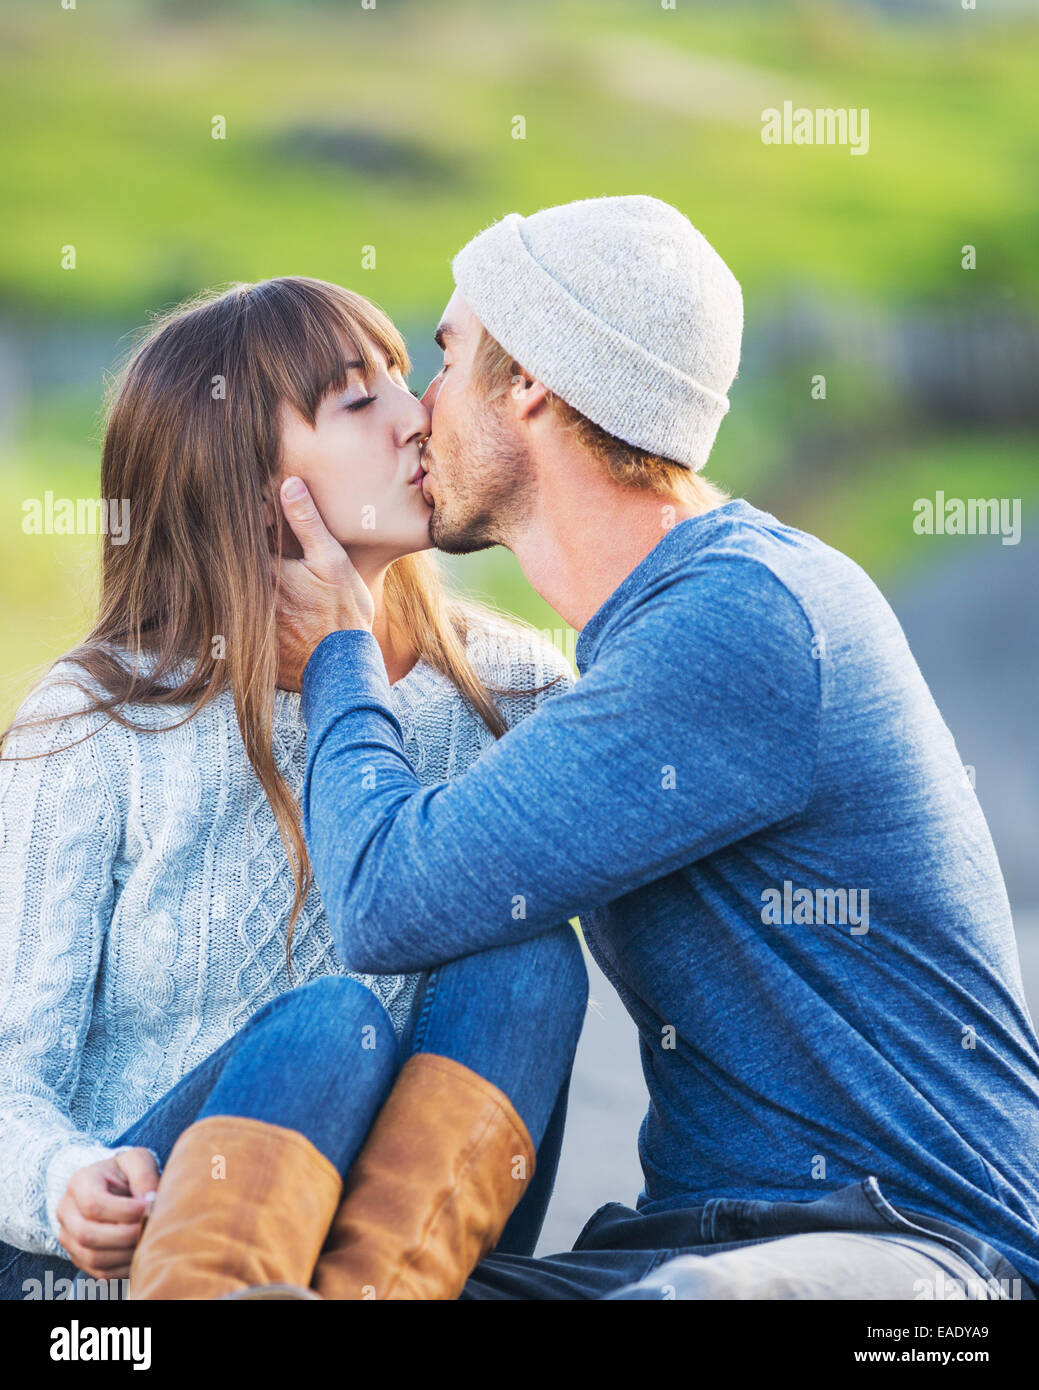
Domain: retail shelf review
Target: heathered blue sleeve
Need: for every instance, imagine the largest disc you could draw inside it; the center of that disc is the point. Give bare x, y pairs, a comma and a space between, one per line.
695, 725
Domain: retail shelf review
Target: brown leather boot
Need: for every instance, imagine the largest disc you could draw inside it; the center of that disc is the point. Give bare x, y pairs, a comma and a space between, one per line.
260, 1219
441, 1171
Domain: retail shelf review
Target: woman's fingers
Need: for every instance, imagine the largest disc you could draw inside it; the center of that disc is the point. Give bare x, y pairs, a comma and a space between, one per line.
99, 1215
101, 1238
93, 1213
104, 1263
101, 1264
89, 1195
140, 1170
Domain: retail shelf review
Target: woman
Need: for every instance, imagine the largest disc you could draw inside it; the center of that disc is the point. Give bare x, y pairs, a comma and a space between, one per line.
171, 999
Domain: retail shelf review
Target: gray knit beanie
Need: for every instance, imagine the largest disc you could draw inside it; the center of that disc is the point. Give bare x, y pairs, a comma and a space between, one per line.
621, 308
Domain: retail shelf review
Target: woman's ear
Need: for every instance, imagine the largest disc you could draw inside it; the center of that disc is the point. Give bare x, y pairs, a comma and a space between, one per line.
278, 529
271, 503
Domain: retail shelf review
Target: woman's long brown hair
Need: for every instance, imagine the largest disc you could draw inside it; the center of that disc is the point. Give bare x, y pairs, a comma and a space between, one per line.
187, 603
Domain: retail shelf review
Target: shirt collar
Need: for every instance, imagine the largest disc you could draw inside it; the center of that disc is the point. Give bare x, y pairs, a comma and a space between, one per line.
681, 540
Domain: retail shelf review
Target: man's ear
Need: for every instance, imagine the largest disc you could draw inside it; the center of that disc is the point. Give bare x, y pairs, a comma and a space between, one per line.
528, 394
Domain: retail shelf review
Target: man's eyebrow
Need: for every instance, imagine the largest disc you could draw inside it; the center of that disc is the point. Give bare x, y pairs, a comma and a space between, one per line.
444, 331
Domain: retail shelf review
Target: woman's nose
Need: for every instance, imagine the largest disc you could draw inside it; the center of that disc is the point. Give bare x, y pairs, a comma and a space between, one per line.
416, 421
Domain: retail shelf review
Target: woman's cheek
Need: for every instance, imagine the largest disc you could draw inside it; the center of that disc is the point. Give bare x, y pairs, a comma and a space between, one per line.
336, 500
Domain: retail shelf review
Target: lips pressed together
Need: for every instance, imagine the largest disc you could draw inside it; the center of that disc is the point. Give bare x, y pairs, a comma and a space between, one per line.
420, 472
418, 478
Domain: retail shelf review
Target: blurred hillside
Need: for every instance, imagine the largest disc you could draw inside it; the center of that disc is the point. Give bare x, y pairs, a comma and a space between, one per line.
392, 128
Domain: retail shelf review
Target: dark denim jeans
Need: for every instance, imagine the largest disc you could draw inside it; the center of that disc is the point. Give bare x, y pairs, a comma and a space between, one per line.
323, 1057
674, 1253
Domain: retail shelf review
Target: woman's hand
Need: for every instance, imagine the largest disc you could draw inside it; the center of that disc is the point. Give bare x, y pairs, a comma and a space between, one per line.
100, 1214
319, 594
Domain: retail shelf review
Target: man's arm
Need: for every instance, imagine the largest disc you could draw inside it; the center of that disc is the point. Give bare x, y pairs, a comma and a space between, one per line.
696, 726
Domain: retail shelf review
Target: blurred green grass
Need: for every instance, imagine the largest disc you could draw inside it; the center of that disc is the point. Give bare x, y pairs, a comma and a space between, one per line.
111, 106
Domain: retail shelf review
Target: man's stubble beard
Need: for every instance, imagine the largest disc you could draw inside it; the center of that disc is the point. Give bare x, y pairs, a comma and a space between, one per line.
491, 492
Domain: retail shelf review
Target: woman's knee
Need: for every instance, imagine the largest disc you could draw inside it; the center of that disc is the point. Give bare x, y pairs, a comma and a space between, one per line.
335, 1016
544, 980
557, 968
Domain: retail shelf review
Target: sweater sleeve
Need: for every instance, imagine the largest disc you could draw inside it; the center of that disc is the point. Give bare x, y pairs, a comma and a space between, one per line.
59, 832
696, 725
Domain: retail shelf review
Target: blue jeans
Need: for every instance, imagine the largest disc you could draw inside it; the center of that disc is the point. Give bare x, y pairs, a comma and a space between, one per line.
323, 1057
848, 1244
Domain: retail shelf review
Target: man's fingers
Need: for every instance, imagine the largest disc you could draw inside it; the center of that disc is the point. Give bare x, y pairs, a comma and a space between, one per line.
317, 542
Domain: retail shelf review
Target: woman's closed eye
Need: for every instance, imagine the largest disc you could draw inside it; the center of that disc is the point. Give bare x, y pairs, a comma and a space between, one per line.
360, 404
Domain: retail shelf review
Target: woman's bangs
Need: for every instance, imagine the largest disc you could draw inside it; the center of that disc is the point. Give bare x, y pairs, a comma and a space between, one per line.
320, 345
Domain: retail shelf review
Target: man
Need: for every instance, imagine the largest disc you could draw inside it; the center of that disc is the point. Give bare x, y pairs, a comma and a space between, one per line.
749, 797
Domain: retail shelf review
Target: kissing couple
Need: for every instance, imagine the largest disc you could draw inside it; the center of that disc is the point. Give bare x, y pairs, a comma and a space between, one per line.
292, 843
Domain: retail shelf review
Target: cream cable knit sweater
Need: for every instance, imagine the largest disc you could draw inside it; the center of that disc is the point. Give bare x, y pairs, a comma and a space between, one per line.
144, 895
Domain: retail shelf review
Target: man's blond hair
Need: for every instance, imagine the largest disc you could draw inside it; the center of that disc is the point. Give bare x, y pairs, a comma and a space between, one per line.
626, 465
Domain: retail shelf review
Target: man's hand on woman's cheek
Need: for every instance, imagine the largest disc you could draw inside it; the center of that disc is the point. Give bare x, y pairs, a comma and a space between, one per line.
319, 594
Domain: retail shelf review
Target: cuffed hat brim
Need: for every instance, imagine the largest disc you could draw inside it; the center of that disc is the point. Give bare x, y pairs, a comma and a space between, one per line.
622, 309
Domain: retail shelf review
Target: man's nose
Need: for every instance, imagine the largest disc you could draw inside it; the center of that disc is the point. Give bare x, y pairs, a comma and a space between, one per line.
429, 396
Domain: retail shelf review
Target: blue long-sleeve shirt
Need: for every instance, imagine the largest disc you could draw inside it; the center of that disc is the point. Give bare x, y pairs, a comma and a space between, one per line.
754, 806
